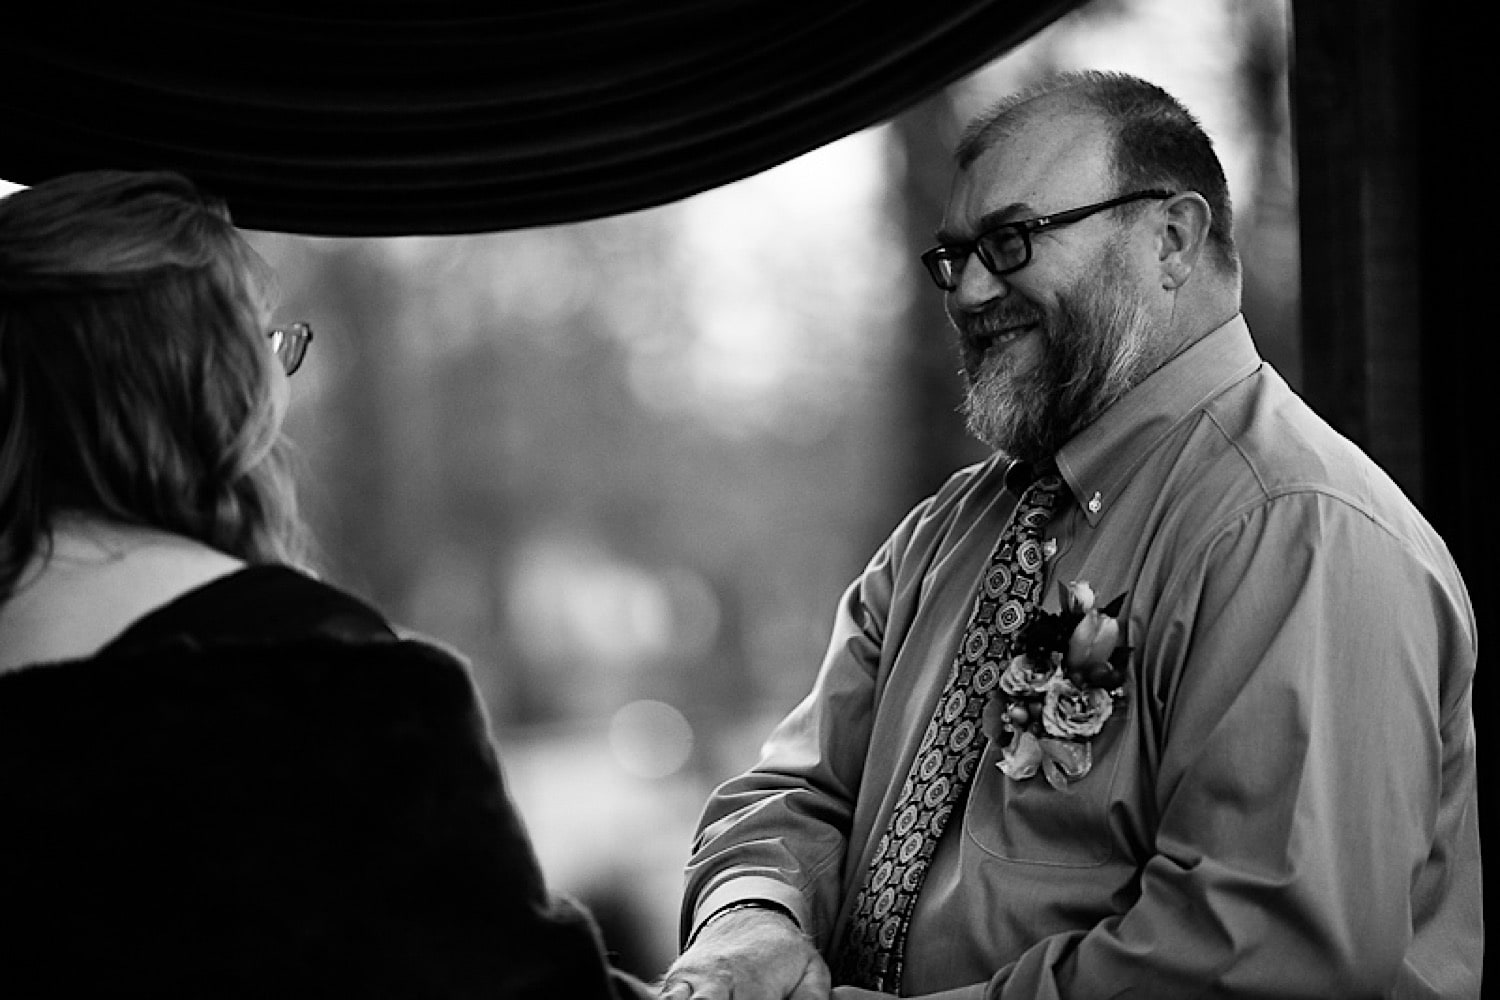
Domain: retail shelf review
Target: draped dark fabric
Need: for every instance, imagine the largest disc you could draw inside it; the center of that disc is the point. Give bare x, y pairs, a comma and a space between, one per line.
390, 118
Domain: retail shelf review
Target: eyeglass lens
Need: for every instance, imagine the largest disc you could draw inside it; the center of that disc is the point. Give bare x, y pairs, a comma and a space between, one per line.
290, 345
1001, 251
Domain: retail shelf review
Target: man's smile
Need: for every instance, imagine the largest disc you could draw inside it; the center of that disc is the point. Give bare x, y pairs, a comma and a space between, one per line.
983, 335
1007, 334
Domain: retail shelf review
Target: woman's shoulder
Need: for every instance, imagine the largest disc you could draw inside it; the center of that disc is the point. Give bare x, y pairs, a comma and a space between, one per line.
270, 603
266, 645
92, 581
102, 628
253, 614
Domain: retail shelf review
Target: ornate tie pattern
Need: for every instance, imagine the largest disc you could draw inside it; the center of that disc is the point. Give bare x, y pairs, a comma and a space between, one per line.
950, 749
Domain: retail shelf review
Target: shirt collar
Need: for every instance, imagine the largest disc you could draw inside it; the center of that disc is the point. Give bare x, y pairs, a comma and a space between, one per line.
1097, 461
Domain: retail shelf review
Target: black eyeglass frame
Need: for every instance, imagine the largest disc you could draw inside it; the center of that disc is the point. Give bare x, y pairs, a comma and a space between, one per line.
944, 262
290, 342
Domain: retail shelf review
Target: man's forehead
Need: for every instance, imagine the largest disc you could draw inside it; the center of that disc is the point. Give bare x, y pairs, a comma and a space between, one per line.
1035, 168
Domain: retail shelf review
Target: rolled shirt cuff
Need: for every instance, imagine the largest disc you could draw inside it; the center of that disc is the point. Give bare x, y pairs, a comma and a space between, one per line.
750, 887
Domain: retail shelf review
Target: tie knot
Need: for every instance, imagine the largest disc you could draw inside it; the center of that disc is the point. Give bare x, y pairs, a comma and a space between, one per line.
1047, 482
1021, 474
1037, 503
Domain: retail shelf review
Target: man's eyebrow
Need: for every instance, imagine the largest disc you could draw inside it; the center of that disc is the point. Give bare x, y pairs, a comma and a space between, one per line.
988, 221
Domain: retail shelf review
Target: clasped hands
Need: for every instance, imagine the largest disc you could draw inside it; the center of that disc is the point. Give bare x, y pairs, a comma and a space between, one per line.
750, 954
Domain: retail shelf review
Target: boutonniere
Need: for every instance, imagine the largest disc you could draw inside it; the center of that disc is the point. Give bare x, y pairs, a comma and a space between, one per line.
1060, 688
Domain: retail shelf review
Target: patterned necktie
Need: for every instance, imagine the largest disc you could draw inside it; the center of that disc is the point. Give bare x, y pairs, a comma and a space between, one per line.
950, 747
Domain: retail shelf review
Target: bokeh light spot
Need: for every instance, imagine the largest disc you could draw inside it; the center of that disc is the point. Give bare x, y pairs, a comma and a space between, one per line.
650, 739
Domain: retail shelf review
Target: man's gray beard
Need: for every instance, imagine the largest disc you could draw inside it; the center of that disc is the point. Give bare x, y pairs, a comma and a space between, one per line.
1094, 350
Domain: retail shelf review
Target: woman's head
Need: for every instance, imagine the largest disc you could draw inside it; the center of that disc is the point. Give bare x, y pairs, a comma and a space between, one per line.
136, 381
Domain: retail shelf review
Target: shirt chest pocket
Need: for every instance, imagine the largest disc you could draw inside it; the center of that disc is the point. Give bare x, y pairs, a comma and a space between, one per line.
1031, 822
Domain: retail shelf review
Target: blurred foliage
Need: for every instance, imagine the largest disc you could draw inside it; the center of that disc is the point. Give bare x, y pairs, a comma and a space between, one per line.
628, 466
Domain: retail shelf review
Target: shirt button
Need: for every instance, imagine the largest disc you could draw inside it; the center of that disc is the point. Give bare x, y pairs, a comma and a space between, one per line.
1095, 502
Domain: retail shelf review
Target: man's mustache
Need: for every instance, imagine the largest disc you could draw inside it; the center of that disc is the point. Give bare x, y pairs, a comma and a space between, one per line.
993, 321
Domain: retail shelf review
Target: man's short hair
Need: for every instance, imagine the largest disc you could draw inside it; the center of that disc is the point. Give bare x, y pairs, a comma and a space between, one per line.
1158, 143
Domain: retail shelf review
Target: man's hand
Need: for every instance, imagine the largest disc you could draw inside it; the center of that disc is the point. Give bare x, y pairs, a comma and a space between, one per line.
750, 954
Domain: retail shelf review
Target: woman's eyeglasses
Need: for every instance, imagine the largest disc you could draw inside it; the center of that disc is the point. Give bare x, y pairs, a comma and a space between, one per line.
290, 344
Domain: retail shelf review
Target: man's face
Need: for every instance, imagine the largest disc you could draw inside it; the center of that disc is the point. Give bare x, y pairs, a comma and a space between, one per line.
1088, 349
1047, 348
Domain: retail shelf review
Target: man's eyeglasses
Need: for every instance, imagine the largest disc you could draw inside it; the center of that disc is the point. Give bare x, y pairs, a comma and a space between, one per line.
290, 344
1006, 248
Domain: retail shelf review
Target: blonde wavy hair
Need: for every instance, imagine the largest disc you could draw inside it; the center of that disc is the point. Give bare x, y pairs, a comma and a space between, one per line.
135, 378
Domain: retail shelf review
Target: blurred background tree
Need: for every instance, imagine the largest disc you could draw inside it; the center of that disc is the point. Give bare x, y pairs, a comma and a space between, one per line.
628, 466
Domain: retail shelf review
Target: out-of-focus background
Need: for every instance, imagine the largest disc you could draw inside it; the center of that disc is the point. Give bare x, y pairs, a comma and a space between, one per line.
627, 466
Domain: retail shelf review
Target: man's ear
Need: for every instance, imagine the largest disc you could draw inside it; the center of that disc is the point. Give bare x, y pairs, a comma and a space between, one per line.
1183, 237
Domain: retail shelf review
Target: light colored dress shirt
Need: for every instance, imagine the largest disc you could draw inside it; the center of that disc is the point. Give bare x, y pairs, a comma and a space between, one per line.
1285, 806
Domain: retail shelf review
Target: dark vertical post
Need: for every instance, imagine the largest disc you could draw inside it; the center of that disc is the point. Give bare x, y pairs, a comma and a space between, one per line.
1397, 275
1460, 399
1355, 116
934, 439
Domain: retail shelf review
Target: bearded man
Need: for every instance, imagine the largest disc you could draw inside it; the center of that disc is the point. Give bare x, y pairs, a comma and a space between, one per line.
1170, 697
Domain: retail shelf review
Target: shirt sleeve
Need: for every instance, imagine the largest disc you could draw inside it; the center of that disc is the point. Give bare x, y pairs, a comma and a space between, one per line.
1303, 673
779, 831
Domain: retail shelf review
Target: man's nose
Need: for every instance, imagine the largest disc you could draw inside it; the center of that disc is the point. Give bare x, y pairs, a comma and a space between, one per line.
978, 286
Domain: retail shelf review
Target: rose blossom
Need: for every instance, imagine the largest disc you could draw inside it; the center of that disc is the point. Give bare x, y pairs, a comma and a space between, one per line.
1071, 713
1022, 677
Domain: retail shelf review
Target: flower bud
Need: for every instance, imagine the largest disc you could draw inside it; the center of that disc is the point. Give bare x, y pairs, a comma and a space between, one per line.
1078, 597
1100, 674
1092, 640
1021, 759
